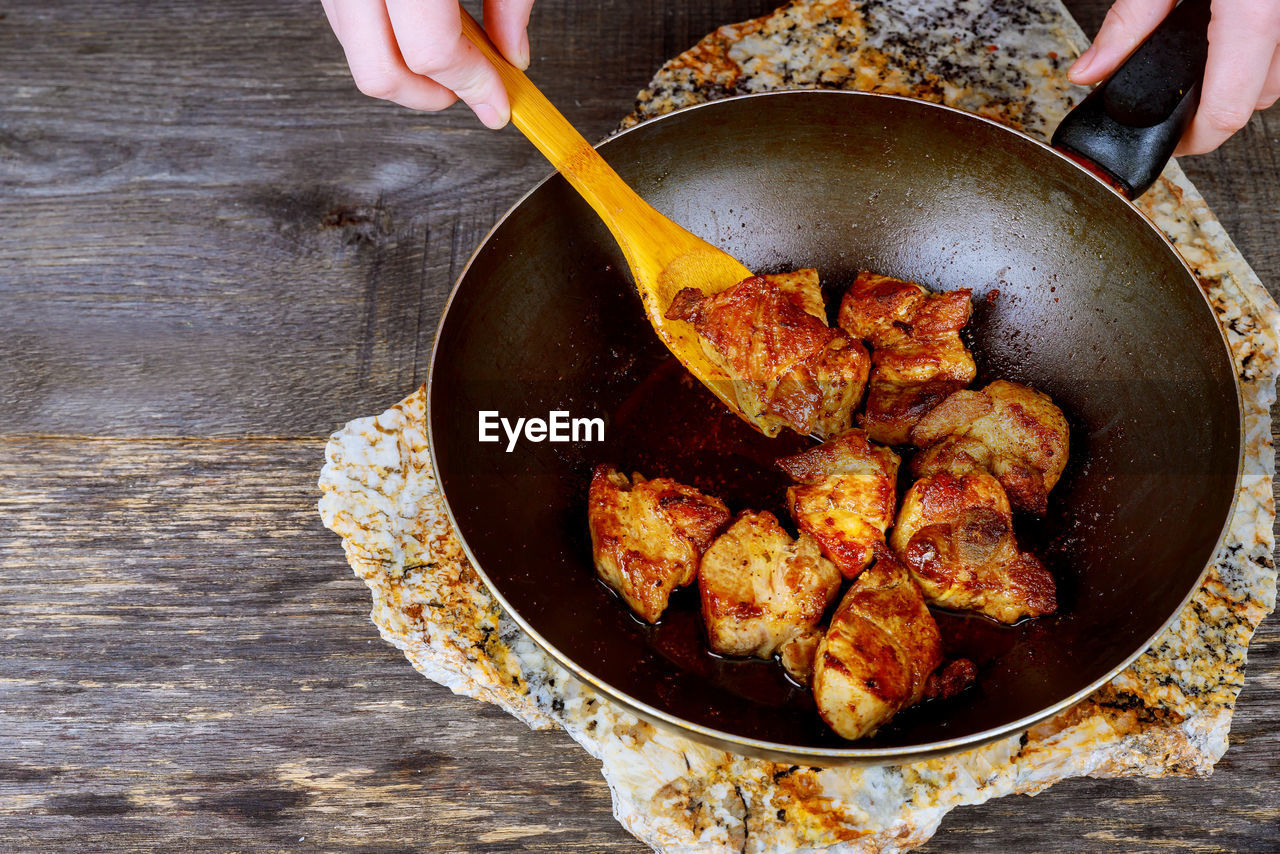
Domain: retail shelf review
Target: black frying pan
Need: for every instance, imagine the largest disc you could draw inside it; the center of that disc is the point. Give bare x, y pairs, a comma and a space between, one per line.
1093, 306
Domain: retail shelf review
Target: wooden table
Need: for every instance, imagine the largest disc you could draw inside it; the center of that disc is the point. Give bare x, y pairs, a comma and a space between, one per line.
213, 252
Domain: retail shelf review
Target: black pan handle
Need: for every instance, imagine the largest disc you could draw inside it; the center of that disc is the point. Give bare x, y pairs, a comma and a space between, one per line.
1128, 126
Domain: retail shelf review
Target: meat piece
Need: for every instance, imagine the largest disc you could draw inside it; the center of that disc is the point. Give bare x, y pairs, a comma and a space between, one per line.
878, 652
1012, 431
789, 369
845, 496
647, 536
763, 591
880, 309
955, 534
917, 357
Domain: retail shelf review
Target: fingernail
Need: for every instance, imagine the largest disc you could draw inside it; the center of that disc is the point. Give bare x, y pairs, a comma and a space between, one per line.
491, 117
1081, 66
522, 52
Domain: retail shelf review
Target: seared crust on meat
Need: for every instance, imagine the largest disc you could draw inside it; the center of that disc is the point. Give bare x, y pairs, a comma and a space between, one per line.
917, 356
955, 534
761, 590
648, 536
845, 496
1013, 431
878, 652
789, 368
880, 309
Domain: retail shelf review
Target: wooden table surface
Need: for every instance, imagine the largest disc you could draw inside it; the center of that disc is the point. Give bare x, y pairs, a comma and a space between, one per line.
213, 252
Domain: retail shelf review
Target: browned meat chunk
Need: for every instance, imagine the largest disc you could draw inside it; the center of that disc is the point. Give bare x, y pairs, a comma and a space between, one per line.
878, 653
917, 356
789, 369
647, 536
763, 592
955, 534
1014, 432
845, 496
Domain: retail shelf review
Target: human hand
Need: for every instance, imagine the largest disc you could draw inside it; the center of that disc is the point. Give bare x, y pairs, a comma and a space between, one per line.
413, 52
1241, 74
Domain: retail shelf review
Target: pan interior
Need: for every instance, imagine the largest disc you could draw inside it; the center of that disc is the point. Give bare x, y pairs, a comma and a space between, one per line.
1075, 294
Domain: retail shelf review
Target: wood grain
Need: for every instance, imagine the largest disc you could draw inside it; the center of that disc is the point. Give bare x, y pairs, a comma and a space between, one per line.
208, 233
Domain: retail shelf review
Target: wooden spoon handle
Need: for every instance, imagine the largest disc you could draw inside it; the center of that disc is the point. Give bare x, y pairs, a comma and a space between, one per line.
550, 132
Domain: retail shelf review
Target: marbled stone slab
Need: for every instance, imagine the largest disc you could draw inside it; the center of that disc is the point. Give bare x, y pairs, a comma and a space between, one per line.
1168, 713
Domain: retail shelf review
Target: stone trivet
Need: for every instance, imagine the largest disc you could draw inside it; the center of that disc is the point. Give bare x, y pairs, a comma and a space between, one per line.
1167, 714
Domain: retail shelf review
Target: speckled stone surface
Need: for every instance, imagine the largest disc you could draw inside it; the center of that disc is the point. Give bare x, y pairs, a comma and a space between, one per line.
1168, 713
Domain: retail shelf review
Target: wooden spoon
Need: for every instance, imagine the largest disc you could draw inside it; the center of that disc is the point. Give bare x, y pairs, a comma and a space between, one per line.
663, 257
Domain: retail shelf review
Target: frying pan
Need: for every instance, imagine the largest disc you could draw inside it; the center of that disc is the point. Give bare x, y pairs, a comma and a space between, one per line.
1077, 294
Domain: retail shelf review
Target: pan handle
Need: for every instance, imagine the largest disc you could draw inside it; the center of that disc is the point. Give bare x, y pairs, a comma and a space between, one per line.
1128, 127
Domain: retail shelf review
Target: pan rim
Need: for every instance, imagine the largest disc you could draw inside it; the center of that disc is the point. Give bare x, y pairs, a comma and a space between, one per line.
842, 755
